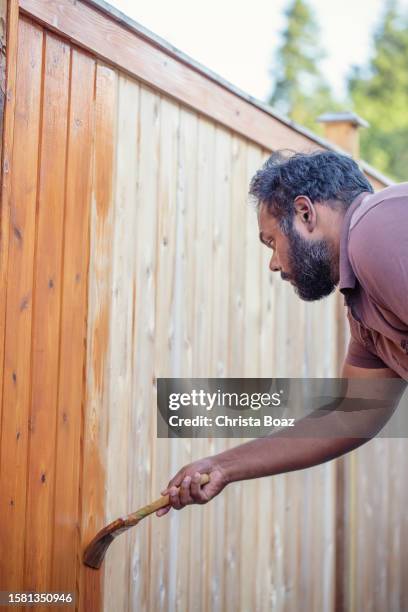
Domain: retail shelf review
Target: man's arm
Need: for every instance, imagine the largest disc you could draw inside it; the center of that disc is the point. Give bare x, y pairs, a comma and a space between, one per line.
281, 452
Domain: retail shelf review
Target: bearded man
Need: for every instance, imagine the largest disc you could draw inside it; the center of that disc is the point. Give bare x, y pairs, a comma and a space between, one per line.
326, 228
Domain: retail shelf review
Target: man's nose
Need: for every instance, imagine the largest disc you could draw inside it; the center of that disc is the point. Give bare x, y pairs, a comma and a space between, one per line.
274, 264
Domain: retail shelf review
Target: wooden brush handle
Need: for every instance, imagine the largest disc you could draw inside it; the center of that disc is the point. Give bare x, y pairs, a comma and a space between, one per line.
163, 501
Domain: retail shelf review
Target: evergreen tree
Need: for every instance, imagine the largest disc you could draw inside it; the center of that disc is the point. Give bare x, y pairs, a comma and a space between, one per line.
299, 90
379, 93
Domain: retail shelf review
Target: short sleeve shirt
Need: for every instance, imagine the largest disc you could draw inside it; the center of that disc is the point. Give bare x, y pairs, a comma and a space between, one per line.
374, 279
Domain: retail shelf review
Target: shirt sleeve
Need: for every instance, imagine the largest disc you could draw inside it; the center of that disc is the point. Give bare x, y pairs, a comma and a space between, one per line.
378, 251
358, 354
360, 357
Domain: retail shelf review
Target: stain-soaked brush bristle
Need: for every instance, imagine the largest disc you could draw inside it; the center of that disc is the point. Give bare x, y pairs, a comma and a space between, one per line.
95, 552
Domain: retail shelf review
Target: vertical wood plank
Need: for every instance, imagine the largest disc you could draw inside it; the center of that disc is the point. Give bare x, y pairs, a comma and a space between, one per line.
118, 477
144, 397
220, 342
46, 316
233, 495
166, 247
188, 549
3, 61
99, 303
252, 277
66, 546
6, 177
201, 358
264, 574
17, 351
238, 254
183, 321
252, 313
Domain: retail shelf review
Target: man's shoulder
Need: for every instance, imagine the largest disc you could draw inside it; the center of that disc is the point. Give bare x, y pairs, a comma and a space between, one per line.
373, 211
378, 248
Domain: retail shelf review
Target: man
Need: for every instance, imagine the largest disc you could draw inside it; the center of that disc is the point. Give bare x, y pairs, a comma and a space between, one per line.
325, 227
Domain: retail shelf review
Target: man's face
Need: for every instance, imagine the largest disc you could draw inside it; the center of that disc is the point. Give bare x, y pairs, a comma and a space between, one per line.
306, 262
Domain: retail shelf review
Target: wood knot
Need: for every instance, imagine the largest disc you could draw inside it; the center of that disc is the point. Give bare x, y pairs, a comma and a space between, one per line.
17, 234
24, 303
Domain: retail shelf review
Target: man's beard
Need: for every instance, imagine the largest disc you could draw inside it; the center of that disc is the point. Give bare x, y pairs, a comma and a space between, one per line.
311, 265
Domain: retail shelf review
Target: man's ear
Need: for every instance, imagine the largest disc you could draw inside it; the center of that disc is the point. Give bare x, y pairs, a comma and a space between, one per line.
305, 211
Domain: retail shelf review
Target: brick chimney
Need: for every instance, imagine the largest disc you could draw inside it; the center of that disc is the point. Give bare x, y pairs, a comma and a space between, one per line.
342, 129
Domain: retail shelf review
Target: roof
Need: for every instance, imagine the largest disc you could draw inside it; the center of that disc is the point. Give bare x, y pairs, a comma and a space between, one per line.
343, 117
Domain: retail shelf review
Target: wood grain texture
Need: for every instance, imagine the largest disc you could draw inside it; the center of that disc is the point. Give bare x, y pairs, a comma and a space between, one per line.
99, 306
46, 313
6, 178
121, 400
16, 425
160, 570
71, 391
190, 550
144, 338
234, 514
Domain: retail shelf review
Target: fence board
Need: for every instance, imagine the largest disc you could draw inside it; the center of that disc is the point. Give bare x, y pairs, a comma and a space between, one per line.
121, 326
98, 332
166, 247
19, 307
46, 313
66, 548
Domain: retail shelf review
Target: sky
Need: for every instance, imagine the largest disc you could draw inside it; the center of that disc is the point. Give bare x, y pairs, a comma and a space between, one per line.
236, 39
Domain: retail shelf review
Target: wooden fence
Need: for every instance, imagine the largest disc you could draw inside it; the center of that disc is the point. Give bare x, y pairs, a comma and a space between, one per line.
129, 252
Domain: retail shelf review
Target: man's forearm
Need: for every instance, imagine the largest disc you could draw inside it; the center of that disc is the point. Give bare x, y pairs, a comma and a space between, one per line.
311, 441
276, 455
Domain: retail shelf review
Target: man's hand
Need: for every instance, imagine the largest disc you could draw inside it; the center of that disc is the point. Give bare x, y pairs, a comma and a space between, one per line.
191, 491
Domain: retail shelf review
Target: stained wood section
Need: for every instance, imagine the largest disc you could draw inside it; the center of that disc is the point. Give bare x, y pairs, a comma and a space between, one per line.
16, 424
3, 64
73, 322
46, 312
6, 186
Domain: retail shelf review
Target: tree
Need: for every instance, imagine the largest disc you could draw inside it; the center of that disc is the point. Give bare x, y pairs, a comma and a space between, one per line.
299, 90
379, 93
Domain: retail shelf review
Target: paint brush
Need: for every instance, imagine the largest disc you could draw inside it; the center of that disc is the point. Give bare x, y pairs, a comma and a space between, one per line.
96, 549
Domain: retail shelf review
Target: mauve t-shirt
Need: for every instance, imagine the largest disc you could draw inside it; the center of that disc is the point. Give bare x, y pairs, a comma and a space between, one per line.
374, 279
